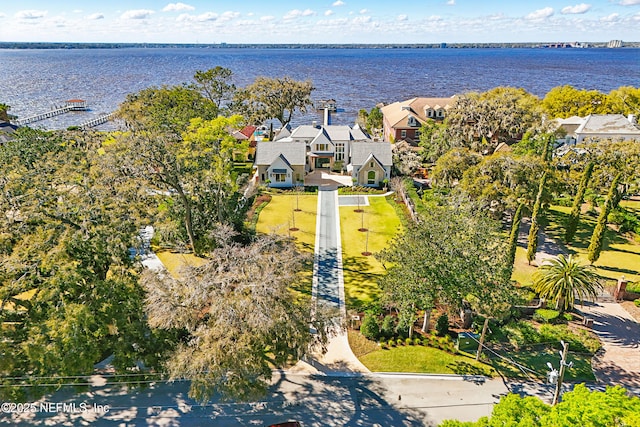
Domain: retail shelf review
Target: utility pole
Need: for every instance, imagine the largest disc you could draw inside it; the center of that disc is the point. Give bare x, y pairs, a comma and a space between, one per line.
563, 366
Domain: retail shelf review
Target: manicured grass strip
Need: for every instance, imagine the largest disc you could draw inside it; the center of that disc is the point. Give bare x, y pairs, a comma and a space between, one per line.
174, 262
537, 358
361, 272
422, 359
619, 255
279, 216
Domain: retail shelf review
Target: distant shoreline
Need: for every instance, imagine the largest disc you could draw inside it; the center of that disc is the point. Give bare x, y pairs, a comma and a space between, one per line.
537, 45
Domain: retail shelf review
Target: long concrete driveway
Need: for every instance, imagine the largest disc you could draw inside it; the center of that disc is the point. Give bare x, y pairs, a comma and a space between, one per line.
328, 282
328, 285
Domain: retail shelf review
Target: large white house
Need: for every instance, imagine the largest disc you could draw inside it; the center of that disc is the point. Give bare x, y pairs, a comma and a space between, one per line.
284, 161
596, 127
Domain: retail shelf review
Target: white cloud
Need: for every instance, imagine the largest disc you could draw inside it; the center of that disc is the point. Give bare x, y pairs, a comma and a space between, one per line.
2, 15
297, 13
363, 11
338, 3
403, 18
204, 17
610, 18
361, 19
31, 14
629, 2
267, 18
577, 9
540, 14
451, 2
77, 11
176, 7
229, 15
328, 12
137, 14
95, 16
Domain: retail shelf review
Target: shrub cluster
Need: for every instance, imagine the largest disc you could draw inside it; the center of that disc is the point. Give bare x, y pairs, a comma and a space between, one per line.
522, 333
625, 220
391, 334
545, 315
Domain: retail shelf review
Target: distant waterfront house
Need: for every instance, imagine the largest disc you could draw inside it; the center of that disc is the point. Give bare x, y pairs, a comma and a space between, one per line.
247, 134
6, 131
370, 163
402, 120
597, 127
295, 152
280, 164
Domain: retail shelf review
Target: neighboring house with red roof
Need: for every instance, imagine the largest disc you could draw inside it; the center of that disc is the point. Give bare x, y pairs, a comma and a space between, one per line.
402, 120
247, 134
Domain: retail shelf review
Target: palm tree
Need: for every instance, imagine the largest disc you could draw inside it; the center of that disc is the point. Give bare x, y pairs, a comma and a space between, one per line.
565, 279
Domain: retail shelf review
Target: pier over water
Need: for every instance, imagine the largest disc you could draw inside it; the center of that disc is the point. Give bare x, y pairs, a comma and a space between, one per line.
70, 105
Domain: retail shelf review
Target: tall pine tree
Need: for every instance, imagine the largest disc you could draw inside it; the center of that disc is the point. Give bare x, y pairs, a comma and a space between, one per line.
597, 238
532, 243
574, 216
513, 238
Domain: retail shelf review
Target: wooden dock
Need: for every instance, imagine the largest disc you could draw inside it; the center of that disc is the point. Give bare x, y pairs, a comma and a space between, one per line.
70, 105
97, 121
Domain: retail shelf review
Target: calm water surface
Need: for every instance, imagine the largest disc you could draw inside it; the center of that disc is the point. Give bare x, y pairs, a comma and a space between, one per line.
35, 80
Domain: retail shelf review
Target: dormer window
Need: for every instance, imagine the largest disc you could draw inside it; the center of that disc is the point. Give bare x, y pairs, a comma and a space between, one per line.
441, 113
412, 121
429, 112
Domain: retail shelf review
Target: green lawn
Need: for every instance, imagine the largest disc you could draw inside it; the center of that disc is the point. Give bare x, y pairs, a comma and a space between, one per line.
362, 272
619, 256
423, 359
279, 216
537, 358
174, 261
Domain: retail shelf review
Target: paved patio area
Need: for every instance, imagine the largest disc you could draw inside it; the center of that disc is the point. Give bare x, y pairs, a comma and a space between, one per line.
322, 178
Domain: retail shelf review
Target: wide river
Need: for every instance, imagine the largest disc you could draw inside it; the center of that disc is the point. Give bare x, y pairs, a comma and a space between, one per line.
32, 81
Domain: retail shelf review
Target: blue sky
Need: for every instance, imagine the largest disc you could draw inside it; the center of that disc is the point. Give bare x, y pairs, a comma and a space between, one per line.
319, 21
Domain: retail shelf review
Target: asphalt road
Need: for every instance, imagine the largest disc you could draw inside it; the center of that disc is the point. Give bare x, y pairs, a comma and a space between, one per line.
372, 400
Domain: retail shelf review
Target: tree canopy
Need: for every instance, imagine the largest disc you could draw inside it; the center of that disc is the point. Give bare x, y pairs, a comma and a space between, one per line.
579, 407
70, 295
451, 254
482, 120
240, 317
273, 98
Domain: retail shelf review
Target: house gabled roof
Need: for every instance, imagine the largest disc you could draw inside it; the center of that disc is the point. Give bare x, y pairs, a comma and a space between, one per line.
335, 133
305, 132
322, 138
614, 124
267, 152
361, 152
397, 114
248, 131
283, 133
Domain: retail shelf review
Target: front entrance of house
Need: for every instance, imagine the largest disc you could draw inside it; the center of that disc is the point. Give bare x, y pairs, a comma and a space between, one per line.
322, 163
